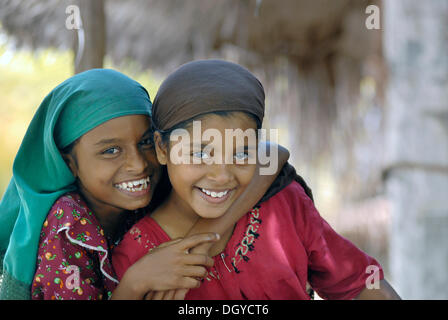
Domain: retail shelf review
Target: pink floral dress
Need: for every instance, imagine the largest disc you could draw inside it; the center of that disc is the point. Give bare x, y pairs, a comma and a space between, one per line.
73, 259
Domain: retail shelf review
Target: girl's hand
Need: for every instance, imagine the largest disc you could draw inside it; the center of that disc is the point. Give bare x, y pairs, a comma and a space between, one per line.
177, 294
169, 266
385, 292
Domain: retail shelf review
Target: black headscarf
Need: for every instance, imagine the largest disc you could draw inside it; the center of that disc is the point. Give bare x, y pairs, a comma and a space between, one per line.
205, 86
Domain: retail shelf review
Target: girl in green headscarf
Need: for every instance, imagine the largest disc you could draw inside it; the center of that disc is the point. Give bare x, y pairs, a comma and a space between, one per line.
85, 172
89, 140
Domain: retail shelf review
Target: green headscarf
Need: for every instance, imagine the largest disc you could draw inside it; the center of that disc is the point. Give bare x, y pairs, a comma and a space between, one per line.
40, 175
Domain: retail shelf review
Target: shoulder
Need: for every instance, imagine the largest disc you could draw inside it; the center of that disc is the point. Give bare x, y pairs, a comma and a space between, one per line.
293, 192
68, 210
293, 208
291, 200
145, 234
71, 214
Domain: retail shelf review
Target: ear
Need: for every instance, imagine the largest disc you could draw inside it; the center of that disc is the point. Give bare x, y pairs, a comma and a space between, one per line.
161, 149
70, 160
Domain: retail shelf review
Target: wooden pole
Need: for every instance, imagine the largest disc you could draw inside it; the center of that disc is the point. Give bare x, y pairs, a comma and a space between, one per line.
416, 46
90, 40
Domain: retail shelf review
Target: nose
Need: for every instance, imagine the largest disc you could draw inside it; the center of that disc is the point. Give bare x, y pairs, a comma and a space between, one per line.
220, 174
135, 161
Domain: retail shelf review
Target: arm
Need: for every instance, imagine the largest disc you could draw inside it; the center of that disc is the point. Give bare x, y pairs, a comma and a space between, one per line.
58, 275
338, 270
385, 292
61, 271
255, 191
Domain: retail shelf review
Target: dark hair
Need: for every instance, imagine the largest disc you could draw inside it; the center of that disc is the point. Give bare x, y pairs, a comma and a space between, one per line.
165, 134
68, 149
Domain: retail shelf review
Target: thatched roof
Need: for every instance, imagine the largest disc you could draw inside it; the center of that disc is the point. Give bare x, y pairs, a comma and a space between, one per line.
309, 54
162, 31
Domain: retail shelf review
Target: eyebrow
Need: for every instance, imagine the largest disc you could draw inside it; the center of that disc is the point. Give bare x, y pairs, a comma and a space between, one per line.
147, 132
202, 146
115, 140
199, 146
107, 141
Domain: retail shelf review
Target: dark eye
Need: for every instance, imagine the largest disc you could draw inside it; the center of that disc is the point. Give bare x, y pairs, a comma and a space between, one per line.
201, 155
146, 142
241, 155
113, 150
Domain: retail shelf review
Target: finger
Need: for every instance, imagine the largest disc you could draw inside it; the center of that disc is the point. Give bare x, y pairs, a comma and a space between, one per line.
180, 294
198, 259
149, 295
189, 283
202, 248
168, 243
194, 240
194, 271
169, 295
158, 295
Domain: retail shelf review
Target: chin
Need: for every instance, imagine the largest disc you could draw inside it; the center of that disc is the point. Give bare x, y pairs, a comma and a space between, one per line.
137, 205
206, 214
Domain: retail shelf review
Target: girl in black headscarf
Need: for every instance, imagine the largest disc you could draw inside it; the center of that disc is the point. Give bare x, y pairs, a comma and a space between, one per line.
280, 244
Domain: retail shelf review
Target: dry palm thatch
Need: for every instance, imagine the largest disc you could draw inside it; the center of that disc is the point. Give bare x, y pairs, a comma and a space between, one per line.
311, 56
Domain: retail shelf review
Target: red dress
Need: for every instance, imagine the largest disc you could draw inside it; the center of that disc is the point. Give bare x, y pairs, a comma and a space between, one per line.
274, 250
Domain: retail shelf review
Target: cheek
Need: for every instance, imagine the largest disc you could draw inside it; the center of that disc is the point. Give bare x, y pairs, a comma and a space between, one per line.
151, 158
153, 163
182, 177
96, 173
245, 174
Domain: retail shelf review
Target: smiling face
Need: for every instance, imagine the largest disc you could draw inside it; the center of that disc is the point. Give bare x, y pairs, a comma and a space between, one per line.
115, 165
208, 189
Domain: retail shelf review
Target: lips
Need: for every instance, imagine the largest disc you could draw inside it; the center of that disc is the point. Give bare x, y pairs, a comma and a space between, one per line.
134, 185
215, 196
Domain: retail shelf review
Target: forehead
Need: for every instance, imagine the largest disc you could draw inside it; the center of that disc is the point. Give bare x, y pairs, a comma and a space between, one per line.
119, 128
231, 120
231, 130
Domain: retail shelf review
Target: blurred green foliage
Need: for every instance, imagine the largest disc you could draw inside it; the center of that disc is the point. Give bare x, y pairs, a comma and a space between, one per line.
26, 77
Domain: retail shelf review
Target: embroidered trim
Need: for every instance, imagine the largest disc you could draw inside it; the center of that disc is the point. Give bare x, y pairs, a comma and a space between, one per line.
247, 243
101, 249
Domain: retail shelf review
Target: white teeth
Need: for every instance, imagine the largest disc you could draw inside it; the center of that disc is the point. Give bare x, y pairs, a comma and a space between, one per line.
215, 194
132, 185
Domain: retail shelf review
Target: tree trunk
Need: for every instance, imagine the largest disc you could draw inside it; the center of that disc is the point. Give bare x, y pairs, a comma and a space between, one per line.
416, 46
90, 41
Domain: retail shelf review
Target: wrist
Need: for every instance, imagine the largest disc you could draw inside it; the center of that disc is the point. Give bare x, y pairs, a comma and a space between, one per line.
130, 286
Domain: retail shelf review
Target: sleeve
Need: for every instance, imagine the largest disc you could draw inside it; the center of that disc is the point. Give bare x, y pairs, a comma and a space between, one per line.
337, 268
286, 175
64, 270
